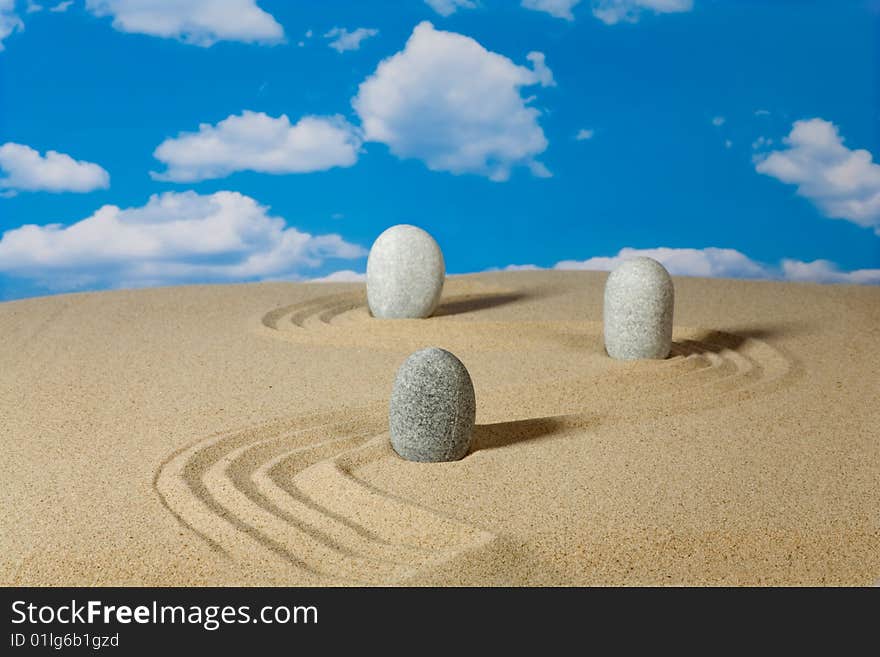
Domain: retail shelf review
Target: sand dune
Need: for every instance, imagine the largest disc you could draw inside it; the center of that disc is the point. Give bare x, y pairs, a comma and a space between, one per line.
238, 435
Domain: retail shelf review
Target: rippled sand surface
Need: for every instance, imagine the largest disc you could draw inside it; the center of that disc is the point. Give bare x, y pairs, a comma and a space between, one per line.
238, 435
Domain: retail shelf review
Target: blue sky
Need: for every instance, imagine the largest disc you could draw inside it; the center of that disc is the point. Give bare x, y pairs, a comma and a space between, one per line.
163, 142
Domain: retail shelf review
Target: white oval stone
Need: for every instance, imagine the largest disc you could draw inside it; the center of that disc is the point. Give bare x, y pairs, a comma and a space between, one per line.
639, 301
405, 273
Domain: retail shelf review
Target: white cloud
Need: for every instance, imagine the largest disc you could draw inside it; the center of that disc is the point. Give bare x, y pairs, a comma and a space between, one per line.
762, 142
542, 72
33, 7
61, 7
708, 262
762, 112
728, 143
718, 121
24, 169
197, 22
714, 262
843, 183
611, 12
9, 20
721, 263
557, 8
343, 40
343, 276
257, 142
584, 134
176, 237
824, 271
521, 268
446, 100
449, 7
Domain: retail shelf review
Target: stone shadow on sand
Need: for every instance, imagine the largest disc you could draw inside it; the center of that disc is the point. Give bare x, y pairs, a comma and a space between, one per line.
502, 434
716, 341
469, 303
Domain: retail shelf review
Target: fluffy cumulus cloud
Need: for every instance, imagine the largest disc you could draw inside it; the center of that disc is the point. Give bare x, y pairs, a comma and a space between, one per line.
197, 22
23, 169
174, 238
257, 142
343, 40
10, 21
449, 7
611, 12
722, 263
557, 8
446, 100
824, 271
843, 183
710, 262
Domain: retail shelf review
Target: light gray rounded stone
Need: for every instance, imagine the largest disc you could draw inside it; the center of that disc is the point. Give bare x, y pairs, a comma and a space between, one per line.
405, 273
639, 301
433, 408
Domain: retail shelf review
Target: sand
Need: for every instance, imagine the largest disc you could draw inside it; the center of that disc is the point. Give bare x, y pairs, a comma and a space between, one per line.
237, 435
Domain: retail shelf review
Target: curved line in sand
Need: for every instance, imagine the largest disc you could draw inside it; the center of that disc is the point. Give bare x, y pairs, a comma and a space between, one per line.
213, 488
272, 494
300, 540
249, 473
179, 483
315, 322
290, 500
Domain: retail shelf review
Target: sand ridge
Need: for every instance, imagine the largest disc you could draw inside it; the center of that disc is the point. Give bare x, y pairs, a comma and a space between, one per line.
241, 433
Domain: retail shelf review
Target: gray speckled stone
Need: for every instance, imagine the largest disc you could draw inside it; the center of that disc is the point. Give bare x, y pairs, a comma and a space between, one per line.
639, 300
405, 273
432, 410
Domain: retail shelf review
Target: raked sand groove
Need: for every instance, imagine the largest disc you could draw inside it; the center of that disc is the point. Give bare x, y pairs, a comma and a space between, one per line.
268, 497
721, 367
344, 320
290, 493
237, 435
